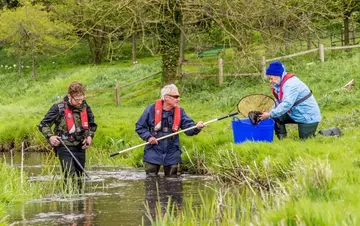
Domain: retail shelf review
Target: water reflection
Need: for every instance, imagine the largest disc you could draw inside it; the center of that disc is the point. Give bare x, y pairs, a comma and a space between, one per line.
114, 196
159, 191
72, 212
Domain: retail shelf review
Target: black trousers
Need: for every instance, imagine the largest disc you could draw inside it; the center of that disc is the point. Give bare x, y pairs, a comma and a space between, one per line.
305, 130
69, 166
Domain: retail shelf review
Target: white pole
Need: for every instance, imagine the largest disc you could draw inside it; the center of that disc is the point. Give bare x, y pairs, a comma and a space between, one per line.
22, 164
322, 53
173, 134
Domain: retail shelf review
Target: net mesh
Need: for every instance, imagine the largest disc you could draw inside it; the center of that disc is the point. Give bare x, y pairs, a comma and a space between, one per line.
254, 103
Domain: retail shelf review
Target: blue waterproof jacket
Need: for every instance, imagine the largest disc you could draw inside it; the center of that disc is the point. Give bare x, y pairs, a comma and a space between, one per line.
294, 89
167, 151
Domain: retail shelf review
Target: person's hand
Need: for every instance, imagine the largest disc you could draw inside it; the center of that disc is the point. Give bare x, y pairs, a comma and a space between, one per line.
86, 142
152, 140
264, 115
200, 125
54, 141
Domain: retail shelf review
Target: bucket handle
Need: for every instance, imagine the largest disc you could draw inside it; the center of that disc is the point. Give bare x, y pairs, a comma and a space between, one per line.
237, 119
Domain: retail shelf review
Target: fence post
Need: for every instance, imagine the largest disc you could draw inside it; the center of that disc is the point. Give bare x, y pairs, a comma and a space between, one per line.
353, 36
117, 95
221, 71
322, 53
179, 70
263, 64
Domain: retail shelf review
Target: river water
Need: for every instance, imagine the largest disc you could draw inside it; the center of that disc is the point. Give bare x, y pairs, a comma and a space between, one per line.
113, 195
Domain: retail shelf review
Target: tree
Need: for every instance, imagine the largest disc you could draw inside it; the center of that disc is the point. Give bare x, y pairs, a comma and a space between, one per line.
346, 8
9, 4
31, 32
99, 22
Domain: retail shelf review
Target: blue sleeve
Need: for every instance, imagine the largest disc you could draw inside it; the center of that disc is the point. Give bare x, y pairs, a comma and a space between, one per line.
290, 94
142, 126
187, 122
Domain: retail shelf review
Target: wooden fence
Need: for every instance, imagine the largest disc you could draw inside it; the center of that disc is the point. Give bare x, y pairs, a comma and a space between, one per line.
220, 64
116, 91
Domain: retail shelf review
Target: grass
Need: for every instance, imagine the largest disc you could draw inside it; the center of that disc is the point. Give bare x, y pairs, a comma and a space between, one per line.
312, 182
13, 190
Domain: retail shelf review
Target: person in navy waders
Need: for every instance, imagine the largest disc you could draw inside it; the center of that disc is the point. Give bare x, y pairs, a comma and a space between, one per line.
161, 118
295, 103
75, 126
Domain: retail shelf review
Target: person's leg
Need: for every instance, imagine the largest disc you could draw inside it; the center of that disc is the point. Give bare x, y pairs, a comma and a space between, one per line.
307, 130
280, 129
80, 156
151, 169
66, 163
171, 170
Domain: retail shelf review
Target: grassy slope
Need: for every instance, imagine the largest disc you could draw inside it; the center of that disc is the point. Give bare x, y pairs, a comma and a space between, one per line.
23, 104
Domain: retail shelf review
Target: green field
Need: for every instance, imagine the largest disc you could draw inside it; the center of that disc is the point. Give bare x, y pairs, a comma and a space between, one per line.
292, 182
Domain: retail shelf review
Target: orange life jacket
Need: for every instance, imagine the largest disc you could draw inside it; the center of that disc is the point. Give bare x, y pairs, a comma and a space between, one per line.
158, 116
69, 118
280, 96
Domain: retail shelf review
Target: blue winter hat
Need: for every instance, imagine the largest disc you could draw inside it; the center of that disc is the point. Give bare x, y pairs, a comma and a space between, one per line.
276, 68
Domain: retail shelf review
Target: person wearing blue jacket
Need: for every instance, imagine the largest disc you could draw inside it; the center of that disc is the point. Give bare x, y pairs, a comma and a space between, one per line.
295, 103
159, 119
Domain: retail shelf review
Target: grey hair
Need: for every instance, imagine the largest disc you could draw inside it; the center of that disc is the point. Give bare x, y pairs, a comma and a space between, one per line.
167, 90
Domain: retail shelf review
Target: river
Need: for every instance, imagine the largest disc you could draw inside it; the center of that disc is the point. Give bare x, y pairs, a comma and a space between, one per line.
113, 195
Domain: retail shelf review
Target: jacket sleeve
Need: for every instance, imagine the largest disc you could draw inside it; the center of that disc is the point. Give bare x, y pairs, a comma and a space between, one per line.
48, 121
92, 124
142, 126
290, 94
187, 122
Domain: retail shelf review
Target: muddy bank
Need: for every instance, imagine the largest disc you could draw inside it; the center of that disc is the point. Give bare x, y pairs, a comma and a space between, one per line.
28, 145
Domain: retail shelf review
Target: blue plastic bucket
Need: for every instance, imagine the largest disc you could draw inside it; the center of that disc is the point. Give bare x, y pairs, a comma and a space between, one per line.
243, 130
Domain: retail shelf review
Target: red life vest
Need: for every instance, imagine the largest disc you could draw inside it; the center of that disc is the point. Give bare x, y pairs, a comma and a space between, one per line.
69, 118
280, 96
158, 116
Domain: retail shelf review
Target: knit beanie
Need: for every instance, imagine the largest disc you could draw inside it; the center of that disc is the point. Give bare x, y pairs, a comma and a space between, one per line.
276, 68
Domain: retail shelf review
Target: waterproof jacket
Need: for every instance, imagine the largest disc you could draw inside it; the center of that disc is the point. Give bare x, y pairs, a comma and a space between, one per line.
293, 90
56, 116
167, 151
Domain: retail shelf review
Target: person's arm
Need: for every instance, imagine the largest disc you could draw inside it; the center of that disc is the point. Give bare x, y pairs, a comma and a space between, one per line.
92, 128
48, 121
142, 127
92, 124
187, 122
290, 93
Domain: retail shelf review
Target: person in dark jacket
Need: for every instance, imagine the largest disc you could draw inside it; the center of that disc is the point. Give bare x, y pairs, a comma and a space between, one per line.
75, 126
162, 118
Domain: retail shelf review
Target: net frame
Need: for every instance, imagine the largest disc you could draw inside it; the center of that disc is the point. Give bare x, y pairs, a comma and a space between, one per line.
255, 102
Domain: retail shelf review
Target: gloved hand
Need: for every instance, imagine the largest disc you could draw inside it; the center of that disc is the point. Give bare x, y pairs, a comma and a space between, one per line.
254, 117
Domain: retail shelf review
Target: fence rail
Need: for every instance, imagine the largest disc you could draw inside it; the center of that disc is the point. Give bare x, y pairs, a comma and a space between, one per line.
321, 49
91, 94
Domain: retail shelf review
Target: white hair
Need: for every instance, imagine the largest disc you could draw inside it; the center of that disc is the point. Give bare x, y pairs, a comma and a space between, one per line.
168, 89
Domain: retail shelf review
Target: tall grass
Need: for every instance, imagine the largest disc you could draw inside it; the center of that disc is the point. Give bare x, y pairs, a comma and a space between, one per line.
13, 190
306, 191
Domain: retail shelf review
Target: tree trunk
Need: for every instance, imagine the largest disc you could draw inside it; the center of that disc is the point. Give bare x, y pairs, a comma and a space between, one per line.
346, 29
19, 66
169, 40
182, 46
33, 68
308, 41
96, 44
133, 37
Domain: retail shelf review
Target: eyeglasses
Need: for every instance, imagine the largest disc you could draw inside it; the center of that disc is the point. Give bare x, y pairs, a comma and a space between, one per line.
80, 99
174, 96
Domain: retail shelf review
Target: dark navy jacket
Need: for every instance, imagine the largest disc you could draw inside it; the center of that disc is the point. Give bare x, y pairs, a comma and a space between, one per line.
167, 151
